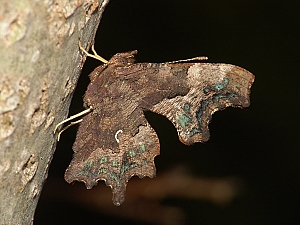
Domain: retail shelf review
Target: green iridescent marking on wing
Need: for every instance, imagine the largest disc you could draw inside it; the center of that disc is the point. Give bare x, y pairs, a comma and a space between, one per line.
194, 131
184, 120
219, 87
115, 163
103, 160
206, 90
142, 148
102, 170
85, 173
88, 165
145, 162
225, 80
187, 108
132, 153
115, 177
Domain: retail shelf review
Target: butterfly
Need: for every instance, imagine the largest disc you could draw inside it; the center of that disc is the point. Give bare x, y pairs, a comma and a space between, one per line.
115, 141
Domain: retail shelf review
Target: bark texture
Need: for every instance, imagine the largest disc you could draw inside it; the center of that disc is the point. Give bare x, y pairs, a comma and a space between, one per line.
39, 68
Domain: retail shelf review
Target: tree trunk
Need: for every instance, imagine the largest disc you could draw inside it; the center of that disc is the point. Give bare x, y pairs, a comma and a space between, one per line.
40, 65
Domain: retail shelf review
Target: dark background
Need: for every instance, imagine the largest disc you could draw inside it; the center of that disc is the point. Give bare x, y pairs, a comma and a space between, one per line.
259, 145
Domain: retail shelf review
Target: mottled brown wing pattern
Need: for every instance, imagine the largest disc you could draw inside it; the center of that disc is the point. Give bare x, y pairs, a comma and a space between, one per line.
213, 87
115, 142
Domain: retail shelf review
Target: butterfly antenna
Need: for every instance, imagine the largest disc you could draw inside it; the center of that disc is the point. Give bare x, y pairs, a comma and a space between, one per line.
198, 58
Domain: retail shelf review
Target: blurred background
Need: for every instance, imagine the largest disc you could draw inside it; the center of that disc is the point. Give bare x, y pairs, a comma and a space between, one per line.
248, 172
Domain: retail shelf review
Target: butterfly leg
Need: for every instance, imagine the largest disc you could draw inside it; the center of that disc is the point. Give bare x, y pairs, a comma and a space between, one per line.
71, 118
71, 124
95, 56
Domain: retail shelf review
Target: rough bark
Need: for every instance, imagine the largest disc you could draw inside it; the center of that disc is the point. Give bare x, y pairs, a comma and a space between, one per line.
39, 68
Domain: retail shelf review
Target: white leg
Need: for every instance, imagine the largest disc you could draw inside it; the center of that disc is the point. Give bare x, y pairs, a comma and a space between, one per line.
95, 56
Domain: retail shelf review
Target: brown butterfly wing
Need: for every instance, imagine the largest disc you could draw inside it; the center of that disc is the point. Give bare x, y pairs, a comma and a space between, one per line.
115, 142
213, 87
